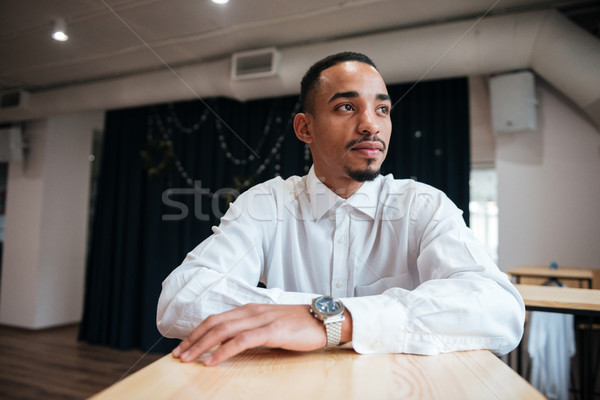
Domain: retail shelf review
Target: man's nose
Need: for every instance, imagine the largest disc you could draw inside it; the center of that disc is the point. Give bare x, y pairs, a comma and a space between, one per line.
369, 123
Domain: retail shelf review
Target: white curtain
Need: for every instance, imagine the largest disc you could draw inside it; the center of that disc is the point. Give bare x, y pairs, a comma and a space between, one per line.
551, 346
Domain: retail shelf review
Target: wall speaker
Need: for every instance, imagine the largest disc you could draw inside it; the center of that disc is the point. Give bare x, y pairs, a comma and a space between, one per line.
11, 144
513, 102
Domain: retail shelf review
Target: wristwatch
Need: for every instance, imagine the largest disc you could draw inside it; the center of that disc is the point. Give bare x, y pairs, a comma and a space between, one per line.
331, 312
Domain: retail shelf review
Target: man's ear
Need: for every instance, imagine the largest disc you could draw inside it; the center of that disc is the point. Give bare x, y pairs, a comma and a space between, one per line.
302, 127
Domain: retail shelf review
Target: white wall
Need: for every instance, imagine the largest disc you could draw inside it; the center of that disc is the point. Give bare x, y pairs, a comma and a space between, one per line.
549, 188
20, 258
46, 223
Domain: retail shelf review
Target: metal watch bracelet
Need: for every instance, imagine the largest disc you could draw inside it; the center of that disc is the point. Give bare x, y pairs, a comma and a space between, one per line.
334, 333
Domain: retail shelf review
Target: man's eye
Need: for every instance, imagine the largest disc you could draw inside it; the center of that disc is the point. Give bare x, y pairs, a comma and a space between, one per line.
346, 107
384, 109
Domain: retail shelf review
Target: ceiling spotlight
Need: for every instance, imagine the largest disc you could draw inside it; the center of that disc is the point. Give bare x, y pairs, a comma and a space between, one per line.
60, 30
220, 1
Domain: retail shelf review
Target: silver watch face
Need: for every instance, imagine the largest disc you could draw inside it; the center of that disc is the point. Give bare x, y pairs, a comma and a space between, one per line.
328, 305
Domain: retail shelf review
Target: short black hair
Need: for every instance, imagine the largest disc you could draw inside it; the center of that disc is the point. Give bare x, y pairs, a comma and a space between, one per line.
311, 78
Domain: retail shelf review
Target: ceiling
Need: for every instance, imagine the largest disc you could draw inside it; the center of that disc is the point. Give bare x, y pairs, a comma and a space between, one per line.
117, 38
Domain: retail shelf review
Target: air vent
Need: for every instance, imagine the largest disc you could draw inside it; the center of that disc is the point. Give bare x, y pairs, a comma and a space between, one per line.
14, 99
255, 64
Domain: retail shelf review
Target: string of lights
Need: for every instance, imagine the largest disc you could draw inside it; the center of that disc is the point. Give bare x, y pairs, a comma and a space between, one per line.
165, 129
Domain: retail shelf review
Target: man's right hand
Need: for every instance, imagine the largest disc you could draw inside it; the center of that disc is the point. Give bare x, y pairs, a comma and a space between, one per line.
290, 327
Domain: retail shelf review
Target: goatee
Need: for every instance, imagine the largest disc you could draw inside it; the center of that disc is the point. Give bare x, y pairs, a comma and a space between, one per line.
363, 175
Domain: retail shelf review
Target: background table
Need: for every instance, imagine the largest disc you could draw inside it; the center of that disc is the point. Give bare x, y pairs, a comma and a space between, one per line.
560, 299
334, 374
570, 276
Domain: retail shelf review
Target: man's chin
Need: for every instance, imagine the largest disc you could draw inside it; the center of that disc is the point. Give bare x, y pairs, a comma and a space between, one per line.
363, 175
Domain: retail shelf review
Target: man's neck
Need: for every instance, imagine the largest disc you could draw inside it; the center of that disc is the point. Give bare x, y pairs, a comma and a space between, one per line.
343, 186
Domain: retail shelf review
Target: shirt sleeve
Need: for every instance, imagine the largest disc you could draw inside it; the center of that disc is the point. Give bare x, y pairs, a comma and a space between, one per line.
223, 271
463, 301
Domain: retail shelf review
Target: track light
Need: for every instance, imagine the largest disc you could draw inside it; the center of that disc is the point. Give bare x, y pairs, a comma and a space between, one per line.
60, 30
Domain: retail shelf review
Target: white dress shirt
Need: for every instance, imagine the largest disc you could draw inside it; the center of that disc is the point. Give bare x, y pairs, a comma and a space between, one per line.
397, 253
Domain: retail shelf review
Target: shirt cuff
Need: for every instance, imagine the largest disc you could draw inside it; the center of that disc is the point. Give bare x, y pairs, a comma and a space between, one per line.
378, 324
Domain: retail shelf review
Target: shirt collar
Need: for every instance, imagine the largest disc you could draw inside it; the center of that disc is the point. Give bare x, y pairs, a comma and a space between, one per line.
366, 198
322, 199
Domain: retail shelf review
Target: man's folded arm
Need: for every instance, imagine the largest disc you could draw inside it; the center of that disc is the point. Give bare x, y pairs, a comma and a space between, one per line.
222, 272
467, 312
464, 302
192, 294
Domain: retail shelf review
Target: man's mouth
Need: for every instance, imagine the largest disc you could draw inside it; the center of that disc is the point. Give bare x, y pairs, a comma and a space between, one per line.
369, 148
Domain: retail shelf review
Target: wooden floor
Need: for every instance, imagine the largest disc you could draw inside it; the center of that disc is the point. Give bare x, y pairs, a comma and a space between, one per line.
52, 364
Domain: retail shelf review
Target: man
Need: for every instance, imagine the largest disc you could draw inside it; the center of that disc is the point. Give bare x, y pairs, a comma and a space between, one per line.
403, 272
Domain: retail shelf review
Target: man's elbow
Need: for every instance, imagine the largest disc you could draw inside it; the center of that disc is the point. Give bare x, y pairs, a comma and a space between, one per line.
167, 318
513, 324
163, 328
162, 324
171, 329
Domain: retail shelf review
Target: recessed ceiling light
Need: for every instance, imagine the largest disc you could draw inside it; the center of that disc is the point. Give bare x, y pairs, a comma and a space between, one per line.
220, 1
60, 30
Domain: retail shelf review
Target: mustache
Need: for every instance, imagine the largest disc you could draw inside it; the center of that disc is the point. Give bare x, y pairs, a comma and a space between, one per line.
375, 138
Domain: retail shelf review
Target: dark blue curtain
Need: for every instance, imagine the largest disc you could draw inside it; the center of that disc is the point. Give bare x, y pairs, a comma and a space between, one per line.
169, 171
430, 136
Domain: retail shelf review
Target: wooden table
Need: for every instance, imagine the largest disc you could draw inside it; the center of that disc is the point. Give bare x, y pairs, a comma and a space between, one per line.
564, 274
328, 374
560, 299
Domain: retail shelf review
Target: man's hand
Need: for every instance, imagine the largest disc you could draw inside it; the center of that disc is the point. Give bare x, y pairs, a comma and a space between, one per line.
290, 327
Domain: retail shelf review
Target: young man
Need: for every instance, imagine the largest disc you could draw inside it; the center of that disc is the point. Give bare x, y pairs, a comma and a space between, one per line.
399, 270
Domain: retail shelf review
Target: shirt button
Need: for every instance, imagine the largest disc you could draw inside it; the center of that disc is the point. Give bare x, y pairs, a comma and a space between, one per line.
340, 240
338, 284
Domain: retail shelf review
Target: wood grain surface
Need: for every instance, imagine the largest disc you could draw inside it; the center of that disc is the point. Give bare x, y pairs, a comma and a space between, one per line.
560, 298
328, 374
